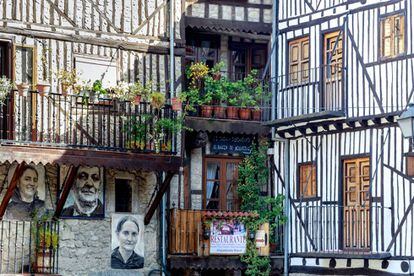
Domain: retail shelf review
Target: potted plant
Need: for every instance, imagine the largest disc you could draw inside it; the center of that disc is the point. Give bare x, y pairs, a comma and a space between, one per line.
218, 90
164, 128
157, 100
216, 70
23, 89
206, 105
136, 91
232, 108
67, 79
122, 91
246, 101
191, 100
5, 88
43, 87
196, 73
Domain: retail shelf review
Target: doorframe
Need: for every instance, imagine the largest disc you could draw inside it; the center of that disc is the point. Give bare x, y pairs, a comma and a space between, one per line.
342, 158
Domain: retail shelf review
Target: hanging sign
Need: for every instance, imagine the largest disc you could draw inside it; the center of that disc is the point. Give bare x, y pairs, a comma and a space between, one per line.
231, 144
228, 237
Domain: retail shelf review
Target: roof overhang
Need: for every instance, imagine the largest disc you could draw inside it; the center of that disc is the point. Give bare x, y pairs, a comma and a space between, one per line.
221, 25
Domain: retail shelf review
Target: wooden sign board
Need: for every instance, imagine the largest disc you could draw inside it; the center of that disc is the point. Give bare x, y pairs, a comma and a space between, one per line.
262, 240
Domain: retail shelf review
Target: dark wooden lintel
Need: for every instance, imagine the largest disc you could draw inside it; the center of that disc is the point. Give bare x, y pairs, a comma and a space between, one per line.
12, 186
154, 205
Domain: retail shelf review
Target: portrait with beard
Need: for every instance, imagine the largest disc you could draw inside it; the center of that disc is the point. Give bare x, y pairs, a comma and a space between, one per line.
86, 196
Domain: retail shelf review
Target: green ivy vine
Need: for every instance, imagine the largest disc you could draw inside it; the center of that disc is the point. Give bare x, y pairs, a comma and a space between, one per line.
253, 175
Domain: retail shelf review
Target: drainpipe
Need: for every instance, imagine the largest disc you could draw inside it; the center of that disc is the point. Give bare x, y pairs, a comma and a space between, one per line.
172, 94
274, 67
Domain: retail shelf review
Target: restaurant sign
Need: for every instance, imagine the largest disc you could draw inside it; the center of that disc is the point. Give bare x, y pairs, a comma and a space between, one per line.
232, 144
228, 237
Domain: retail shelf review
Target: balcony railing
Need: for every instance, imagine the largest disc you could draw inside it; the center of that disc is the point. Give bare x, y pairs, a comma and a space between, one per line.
310, 91
80, 122
29, 247
338, 230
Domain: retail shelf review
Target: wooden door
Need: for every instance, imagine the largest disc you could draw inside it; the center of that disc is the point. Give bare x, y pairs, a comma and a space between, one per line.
356, 222
332, 71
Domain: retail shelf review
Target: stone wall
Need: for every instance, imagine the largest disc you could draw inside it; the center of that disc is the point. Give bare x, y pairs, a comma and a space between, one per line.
85, 245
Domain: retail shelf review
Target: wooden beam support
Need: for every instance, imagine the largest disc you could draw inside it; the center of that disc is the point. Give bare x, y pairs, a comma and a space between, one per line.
162, 189
12, 186
67, 185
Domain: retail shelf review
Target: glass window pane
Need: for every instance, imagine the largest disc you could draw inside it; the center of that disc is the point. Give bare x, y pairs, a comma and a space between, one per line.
213, 170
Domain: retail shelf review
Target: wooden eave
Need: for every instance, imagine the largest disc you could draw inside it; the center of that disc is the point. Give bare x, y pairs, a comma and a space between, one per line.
87, 157
226, 126
221, 25
306, 118
338, 125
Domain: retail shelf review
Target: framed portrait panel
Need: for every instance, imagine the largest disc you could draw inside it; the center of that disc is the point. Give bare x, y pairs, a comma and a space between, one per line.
29, 196
86, 198
127, 243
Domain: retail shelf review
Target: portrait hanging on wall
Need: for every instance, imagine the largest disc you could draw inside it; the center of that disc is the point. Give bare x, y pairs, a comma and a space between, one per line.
29, 195
127, 241
86, 197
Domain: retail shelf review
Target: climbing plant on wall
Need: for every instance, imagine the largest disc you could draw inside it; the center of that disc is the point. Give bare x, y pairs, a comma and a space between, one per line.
253, 175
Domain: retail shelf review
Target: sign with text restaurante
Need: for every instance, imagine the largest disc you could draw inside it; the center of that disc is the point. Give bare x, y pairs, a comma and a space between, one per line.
228, 237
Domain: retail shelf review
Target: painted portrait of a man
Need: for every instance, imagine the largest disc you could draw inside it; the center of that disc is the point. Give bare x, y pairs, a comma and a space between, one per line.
86, 196
29, 194
127, 242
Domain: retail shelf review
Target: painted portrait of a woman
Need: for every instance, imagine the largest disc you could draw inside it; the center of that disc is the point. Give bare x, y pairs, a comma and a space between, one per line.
25, 199
128, 233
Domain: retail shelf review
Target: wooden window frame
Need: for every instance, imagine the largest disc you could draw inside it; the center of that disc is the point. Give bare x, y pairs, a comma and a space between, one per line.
223, 160
34, 61
326, 37
298, 182
403, 34
300, 62
249, 47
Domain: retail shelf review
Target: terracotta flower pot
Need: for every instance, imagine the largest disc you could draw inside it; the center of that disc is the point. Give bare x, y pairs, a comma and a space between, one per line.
137, 99
220, 112
176, 104
256, 114
23, 89
232, 112
43, 88
207, 111
244, 113
65, 89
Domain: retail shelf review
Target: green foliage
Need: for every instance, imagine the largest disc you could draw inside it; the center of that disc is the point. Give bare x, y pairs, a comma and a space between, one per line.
98, 89
43, 231
253, 175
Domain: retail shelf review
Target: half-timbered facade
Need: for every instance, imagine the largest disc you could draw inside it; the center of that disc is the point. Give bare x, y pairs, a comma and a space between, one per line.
58, 140
237, 34
344, 74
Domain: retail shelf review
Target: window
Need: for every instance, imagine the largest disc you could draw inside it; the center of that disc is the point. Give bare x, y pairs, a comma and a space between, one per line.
201, 48
123, 196
245, 57
307, 180
220, 183
5, 59
299, 60
392, 36
91, 68
333, 55
25, 64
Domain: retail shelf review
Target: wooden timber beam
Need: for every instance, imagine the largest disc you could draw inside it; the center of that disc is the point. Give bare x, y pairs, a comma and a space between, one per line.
163, 188
61, 13
297, 213
116, 42
103, 15
146, 21
67, 185
12, 186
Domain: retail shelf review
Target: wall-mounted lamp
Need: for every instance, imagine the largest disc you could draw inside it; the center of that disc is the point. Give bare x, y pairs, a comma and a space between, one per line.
406, 124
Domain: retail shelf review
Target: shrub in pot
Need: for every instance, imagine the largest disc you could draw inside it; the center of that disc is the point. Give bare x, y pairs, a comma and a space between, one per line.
206, 107
191, 100
246, 100
232, 109
67, 80
217, 89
